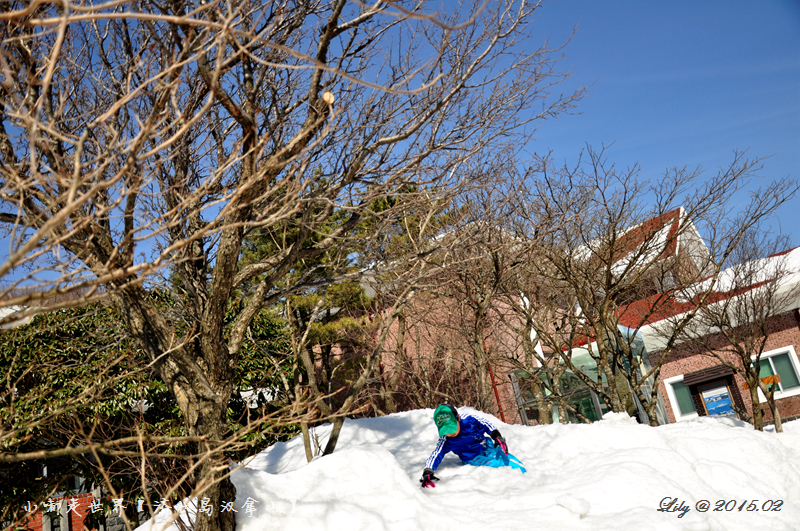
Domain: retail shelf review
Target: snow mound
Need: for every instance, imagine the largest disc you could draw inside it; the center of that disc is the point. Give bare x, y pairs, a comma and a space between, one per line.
611, 416
577, 506
374, 492
610, 475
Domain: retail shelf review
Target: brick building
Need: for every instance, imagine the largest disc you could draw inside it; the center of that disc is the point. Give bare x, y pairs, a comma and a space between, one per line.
689, 379
703, 376
693, 381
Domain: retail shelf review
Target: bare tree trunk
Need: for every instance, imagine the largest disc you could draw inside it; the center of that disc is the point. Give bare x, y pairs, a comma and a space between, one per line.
397, 369
776, 416
482, 379
212, 478
773, 407
338, 422
200, 375
545, 411
481, 361
758, 415
306, 441
562, 413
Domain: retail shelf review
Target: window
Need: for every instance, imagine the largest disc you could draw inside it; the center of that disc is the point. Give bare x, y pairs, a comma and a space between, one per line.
680, 398
783, 362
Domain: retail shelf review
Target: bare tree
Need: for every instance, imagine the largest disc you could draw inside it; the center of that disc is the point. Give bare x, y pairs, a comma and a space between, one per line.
736, 323
142, 143
426, 363
348, 345
469, 289
614, 258
543, 372
446, 340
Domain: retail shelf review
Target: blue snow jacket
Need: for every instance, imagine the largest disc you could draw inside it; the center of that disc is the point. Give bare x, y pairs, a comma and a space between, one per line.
470, 442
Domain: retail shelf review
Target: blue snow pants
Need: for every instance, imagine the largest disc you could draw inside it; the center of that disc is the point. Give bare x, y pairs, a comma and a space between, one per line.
494, 457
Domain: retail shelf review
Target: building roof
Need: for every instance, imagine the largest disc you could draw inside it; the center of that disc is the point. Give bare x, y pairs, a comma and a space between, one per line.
783, 267
660, 238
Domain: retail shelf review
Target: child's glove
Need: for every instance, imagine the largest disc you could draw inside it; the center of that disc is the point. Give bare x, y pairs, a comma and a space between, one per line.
427, 478
499, 441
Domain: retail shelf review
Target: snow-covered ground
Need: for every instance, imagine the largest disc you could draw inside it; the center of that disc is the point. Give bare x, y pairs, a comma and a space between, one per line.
614, 474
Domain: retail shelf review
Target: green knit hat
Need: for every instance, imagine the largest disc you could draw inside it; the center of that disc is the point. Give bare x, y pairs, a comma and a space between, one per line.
446, 419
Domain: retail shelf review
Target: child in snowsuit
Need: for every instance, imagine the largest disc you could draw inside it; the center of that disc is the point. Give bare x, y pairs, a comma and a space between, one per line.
465, 436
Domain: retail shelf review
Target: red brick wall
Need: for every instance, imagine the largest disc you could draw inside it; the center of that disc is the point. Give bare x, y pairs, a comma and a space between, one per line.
35, 521
435, 329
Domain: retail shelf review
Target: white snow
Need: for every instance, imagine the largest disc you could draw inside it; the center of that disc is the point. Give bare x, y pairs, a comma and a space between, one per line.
11, 310
612, 474
784, 267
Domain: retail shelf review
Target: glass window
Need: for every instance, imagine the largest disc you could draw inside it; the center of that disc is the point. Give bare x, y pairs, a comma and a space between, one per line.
764, 368
780, 364
783, 366
684, 398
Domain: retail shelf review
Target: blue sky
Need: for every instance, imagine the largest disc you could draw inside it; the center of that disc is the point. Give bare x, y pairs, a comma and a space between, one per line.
681, 83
